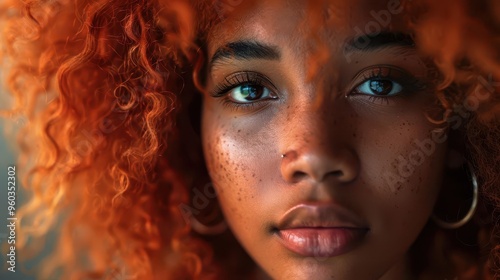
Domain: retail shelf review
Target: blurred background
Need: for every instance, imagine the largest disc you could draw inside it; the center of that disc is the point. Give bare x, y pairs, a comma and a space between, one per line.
8, 155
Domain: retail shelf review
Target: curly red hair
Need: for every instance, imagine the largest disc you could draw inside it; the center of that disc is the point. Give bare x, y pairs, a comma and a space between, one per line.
106, 88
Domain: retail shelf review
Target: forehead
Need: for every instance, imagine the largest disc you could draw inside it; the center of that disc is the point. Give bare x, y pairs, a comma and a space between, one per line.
296, 23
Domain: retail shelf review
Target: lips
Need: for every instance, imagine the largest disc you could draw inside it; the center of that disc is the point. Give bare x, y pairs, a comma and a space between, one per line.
320, 230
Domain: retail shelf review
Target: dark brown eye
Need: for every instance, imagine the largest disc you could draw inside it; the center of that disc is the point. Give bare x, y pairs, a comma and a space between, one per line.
379, 87
251, 92
247, 93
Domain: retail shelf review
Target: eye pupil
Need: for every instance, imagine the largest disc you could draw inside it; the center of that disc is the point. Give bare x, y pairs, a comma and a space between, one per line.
381, 87
251, 92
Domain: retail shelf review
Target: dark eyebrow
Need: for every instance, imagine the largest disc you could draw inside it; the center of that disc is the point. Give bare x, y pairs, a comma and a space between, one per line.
246, 50
370, 42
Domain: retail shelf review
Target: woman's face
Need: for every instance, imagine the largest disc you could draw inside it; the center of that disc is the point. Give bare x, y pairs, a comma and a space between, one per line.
344, 102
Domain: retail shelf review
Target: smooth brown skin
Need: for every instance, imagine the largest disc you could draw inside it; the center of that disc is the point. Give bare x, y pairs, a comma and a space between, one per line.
339, 150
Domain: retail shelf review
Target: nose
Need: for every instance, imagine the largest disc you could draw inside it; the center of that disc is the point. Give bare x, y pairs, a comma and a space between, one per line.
310, 163
316, 146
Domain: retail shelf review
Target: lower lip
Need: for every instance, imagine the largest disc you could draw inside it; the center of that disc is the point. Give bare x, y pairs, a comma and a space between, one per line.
321, 242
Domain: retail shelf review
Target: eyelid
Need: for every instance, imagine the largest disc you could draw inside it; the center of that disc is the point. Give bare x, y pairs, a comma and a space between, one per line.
239, 78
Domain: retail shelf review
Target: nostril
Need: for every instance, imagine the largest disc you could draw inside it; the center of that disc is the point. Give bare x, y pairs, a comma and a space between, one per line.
337, 173
298, 175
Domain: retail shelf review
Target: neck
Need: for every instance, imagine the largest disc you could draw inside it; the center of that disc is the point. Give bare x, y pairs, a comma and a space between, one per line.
400, 270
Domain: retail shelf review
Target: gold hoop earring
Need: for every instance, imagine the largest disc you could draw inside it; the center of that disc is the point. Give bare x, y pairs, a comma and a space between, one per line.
472, 210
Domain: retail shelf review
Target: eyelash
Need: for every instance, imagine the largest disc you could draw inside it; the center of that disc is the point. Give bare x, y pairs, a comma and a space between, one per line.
409, 83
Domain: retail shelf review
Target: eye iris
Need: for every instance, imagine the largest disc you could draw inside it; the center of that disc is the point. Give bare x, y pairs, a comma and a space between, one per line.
251, 92
381, 87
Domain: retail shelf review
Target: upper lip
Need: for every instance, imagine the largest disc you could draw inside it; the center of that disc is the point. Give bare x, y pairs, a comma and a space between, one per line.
319, 216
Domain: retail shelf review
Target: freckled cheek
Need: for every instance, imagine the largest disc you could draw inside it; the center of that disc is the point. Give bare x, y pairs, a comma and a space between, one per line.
403, 214
406, 167
233, 167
